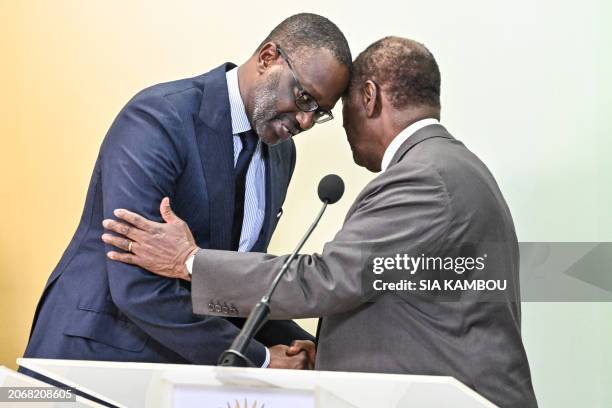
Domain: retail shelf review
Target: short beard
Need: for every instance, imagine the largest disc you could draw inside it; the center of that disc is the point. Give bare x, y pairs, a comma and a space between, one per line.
264, 102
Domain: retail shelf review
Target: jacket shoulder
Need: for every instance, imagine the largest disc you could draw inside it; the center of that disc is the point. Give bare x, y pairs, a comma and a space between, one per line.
166, 89
182, 95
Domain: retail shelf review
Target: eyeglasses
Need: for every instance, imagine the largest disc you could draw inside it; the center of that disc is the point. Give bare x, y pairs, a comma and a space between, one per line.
303, 100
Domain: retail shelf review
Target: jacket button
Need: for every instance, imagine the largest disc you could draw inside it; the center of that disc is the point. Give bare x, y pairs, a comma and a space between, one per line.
217, 308
211, 307
225, 308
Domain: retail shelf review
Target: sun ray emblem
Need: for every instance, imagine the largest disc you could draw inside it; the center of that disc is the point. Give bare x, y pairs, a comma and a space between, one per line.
237, 404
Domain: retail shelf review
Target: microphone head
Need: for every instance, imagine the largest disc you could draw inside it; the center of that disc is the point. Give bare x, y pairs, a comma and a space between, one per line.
331, 188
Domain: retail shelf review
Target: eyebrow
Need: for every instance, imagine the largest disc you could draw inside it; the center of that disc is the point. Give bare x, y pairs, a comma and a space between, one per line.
317, 97
301, 82
300, 79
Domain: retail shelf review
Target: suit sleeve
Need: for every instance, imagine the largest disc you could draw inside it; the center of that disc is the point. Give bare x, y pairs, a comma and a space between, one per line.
406, 211
141, 160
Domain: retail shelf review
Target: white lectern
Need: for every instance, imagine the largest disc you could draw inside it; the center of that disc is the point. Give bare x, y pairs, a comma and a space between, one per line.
177, 385
13, 379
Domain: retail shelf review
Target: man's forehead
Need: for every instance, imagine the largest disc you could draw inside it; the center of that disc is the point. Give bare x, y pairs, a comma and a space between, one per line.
322, 76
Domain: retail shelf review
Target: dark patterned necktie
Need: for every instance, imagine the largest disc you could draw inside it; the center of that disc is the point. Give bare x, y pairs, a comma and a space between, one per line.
249, 142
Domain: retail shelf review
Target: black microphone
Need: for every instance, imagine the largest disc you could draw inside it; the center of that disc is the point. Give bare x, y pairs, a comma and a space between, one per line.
331, 189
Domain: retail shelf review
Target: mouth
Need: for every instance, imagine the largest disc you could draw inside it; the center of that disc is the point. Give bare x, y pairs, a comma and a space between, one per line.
284, 131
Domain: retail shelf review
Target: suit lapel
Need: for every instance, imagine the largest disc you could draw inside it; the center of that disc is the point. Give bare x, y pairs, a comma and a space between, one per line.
273, 192
215, 144
275, 183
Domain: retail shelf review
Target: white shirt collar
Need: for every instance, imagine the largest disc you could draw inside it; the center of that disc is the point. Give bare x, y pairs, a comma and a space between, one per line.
240, 121
401, 138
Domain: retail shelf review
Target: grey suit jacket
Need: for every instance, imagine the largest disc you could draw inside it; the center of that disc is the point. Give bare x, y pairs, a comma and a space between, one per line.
435, 197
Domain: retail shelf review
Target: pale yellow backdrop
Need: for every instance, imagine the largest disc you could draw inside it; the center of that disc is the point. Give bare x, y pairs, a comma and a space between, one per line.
526, 86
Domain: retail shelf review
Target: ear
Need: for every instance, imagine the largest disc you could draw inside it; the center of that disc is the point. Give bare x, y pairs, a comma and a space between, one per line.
370, 96
266, 56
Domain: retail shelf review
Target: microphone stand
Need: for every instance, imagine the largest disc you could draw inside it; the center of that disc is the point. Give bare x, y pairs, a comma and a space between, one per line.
234, 356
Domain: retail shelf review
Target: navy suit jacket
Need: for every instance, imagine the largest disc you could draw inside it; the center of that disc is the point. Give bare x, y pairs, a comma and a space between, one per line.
173, 139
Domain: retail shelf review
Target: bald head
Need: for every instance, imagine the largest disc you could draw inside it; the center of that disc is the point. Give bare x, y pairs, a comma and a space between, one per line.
404, 69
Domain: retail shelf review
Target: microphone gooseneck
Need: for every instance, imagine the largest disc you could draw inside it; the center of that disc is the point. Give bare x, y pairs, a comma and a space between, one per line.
330, 190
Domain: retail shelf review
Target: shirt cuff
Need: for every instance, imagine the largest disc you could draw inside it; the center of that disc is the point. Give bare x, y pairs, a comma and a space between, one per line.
266, 363
189, 263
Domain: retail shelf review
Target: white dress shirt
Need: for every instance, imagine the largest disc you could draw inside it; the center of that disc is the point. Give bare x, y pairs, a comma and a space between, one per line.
402, 137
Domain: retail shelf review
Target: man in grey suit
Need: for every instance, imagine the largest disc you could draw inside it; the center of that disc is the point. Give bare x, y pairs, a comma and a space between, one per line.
433, 200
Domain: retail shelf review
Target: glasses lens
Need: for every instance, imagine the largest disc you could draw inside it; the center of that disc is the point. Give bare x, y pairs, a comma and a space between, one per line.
306, 103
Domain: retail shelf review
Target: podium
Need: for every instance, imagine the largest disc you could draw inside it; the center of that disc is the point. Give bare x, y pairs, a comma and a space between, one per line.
177, 385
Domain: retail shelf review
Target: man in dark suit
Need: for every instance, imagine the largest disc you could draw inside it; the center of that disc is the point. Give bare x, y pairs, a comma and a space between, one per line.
198, 141
434, 200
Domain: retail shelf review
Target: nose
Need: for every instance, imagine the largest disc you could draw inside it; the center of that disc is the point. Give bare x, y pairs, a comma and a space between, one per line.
305, 119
